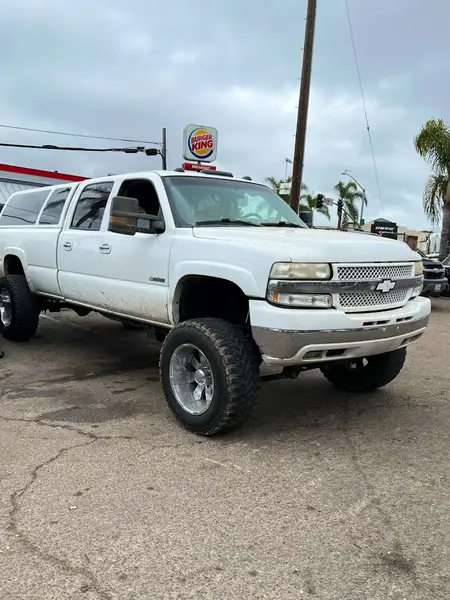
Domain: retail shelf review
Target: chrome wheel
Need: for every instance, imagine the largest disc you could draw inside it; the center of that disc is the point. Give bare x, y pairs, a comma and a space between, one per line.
5, 308
191, 379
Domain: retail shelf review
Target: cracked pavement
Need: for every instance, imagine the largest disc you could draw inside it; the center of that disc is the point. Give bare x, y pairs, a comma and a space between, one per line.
322, 495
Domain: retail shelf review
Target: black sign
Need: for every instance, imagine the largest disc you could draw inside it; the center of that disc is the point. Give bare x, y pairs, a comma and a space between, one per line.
385, 229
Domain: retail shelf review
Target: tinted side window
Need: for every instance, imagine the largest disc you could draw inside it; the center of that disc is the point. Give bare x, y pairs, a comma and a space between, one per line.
54, 207
24, 208
145, 193
91, 206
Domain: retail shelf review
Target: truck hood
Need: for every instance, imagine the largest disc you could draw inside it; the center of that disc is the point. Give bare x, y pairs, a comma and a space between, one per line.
430, 264
312, 244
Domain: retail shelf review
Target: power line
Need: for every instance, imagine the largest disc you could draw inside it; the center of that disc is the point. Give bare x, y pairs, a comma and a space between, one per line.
148, 151
369, 134
80, 135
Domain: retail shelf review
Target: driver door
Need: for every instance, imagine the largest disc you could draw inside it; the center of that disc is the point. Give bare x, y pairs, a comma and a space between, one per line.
135, 269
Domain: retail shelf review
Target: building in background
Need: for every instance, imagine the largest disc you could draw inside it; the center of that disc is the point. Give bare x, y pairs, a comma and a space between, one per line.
15, 179
426, 241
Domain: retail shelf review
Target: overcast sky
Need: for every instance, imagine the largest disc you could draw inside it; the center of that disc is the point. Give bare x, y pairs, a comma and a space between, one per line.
127, 69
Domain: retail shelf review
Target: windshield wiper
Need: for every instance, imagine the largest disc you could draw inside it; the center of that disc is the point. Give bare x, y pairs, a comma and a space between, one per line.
228, 220
282, 224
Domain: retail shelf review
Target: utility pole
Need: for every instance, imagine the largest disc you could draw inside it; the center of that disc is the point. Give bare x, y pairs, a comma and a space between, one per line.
302, 115
164, 149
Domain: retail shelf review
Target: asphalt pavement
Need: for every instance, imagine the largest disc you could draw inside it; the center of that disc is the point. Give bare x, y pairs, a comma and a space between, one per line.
322, 495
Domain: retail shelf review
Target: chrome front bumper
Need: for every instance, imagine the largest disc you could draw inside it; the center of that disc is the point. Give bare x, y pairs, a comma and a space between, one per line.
329, 335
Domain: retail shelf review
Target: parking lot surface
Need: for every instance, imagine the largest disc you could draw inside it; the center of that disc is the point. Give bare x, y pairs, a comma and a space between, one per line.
322, 495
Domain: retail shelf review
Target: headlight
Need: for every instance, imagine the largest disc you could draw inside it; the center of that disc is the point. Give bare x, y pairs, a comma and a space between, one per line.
418, 267
300, 300
312, 271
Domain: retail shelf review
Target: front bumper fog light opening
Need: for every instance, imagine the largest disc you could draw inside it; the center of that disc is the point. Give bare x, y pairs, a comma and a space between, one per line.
301, 300
313, 354
411, 340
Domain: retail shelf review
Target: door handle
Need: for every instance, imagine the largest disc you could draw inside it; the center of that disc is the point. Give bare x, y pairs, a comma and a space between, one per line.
105, 248
67, 245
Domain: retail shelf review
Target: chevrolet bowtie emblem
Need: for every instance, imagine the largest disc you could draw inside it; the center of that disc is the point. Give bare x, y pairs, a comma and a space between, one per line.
385, 286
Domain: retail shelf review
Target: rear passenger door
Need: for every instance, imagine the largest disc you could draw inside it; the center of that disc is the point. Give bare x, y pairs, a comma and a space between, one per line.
45, 240
79, 248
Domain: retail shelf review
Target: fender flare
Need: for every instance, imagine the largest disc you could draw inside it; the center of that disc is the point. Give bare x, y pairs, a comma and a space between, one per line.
242, 278
20, 254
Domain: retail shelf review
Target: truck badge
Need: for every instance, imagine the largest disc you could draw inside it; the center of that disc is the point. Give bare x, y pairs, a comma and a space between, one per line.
385, 286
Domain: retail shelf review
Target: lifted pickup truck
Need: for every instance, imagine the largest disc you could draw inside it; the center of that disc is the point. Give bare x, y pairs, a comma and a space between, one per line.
236, 287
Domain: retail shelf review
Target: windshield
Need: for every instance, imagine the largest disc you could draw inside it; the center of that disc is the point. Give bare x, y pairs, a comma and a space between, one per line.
446, 260
422, 254
204, 200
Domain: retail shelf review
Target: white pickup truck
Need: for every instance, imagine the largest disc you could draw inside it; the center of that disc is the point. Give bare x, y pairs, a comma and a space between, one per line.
236, 287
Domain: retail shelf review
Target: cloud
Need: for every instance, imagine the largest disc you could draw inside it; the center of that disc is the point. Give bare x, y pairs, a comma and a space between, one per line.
183, 56
336, 140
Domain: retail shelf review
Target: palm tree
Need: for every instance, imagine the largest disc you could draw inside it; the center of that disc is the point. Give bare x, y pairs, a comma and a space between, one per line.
277, 183
433, 144
433, 197
349, 194
308, 202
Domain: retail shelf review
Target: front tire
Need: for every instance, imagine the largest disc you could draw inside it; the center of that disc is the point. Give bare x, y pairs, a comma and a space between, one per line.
19, 309
210, 375
365, 375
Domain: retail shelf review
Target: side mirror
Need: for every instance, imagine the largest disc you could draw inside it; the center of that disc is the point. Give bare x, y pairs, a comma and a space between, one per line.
122, 217
126, 218
124, 204
150, 224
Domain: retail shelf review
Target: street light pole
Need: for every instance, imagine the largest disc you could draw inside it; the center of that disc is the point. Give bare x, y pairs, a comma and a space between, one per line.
364, 198
302, 115
287, 162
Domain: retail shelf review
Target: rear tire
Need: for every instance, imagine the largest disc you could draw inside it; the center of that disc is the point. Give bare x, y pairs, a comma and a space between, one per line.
210, 375
18, 321
356, 376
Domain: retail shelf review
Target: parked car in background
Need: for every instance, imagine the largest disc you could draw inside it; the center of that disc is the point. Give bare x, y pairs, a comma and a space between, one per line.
435, 281
446, 265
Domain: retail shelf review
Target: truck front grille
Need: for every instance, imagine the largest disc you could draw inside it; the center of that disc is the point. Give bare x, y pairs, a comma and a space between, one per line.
373, 300
363, 273
433, 273
365, 301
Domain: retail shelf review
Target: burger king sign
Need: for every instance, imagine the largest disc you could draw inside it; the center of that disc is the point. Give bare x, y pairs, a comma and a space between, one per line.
200, 143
